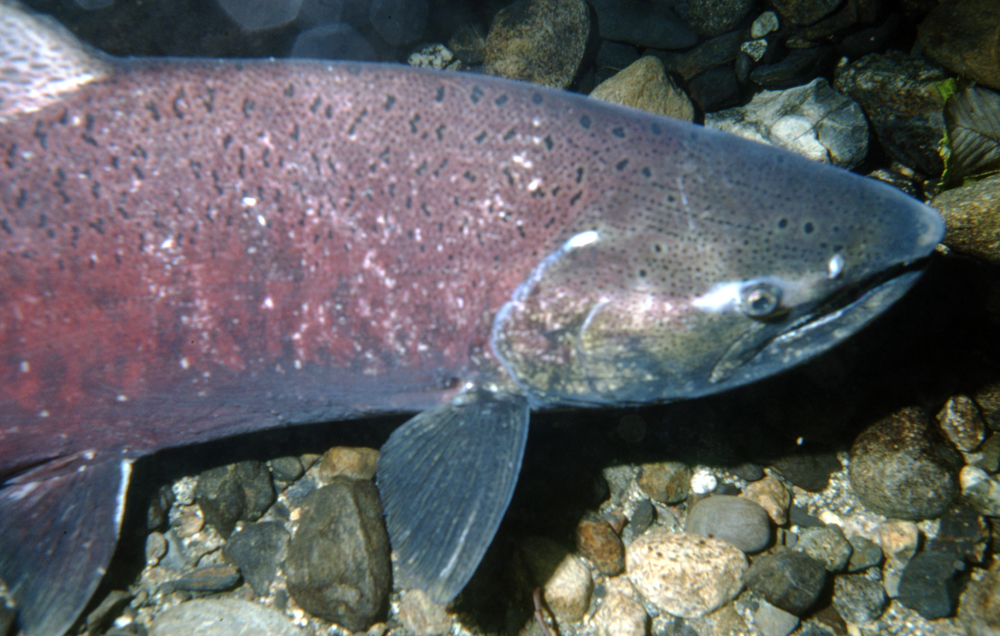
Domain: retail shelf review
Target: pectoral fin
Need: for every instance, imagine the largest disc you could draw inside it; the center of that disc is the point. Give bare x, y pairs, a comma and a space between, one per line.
446, 477
58, 528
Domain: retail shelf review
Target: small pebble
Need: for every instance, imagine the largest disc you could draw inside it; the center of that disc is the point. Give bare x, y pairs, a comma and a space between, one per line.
210, 578
421, 616
962, 424
865, 553
774, 621
787, 579
703, 481
828, 545
772, 496
858, 599
353, 463
666, 482
156, 547
566, 582
596, 540
739, 521
620, 615
222, 617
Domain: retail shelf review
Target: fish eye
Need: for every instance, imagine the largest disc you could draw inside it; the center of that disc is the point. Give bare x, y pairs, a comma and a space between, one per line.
760, 299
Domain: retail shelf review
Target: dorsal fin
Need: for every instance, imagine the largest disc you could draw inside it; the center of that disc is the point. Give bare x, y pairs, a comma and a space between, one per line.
40, 61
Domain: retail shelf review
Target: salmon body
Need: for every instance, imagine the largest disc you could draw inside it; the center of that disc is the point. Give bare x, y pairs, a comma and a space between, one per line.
195, 249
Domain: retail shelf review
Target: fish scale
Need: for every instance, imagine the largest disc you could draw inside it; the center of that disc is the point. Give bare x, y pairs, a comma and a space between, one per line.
194, 249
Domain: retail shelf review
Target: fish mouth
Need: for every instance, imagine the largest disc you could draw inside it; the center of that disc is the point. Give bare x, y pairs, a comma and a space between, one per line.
822, 326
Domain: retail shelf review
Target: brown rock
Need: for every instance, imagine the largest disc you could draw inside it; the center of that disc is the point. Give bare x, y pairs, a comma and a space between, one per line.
666, 482
964, 36
538, 41
772, 496
353, 463
566, 582
645, 85
972, 216
597, 540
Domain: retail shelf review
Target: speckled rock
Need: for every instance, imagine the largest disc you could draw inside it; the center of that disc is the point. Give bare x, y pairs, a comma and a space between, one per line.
774, 621
538, 41
899, 541
858, 599
772, 496
828, 545
972, 216
646, 86
338, 564
222, 617
813, 120
709, 18
257, 549
620, 615
421, 616
901, 468
238, 492
964, 36
981, 490
643, 24
787, 579
596, 540
684, 574
979, 610
354, 463
739, 521
565, 580
899, 94
961, 423
666, 482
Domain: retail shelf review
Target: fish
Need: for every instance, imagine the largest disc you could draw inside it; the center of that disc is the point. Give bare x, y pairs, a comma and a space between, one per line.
195, 249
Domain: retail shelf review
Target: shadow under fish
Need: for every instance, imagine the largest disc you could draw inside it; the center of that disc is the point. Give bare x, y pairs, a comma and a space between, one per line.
194, 249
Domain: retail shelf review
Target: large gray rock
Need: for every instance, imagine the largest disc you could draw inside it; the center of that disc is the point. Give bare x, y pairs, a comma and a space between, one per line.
813, 120
338, 560
901, 467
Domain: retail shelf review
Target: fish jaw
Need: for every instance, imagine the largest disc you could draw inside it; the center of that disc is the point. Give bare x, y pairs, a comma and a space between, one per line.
736, 265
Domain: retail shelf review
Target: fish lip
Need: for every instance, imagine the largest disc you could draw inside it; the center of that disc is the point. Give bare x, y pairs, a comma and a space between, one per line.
828, 323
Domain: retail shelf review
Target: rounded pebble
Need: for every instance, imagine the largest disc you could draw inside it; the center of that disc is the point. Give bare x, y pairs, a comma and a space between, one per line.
858, 599
828, 545
596, 540
739, 521
342, 461
567, 584
787, 579
684, 574
901, 468
772, 496
621, 616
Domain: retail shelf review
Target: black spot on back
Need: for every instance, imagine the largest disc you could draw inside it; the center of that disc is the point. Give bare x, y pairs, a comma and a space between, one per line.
585, 121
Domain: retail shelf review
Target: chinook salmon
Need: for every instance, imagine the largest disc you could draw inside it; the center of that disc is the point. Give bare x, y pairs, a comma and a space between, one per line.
194, 249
